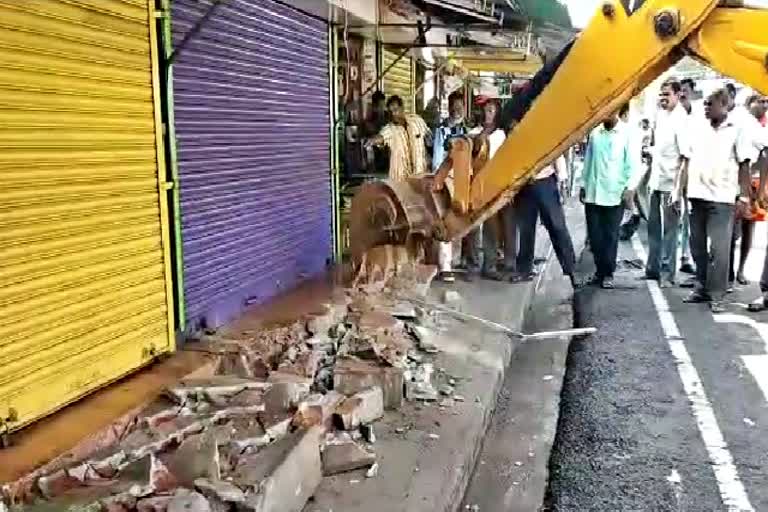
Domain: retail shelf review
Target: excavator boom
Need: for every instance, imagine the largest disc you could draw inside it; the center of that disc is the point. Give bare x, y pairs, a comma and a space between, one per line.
621, 52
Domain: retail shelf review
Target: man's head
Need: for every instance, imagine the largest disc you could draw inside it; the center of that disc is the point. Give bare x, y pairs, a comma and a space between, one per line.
490, 114
610, 122
717, 105
645, 124
624, 113
758, 105
456, 105
669, 95
378, 102
395, 108
687, 93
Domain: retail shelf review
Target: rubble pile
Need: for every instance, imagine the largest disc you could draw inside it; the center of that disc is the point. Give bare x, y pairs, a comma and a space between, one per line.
285, 407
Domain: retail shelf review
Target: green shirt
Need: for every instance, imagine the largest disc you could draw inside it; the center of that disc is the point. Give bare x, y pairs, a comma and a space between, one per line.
608, 166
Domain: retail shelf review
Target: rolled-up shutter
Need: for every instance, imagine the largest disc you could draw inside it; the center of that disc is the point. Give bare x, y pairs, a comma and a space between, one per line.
83, 229
399, 79
251, 95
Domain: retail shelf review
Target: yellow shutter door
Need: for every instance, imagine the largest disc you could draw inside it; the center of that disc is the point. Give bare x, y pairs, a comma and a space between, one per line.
84, 285
399, 79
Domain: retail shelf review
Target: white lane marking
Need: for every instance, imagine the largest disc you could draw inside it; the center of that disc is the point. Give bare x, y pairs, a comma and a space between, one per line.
756, 364
732, 491
676, 482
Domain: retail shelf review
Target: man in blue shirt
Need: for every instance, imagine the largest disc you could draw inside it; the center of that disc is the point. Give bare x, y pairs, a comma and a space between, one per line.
607, 175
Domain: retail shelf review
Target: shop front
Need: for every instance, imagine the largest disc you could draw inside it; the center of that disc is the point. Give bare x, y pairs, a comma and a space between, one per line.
251, 91
86, 288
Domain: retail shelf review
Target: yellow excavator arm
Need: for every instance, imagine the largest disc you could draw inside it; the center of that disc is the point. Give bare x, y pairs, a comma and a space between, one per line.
626, 46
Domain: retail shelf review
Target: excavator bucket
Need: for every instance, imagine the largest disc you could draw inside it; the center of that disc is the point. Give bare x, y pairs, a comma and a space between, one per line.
392, 213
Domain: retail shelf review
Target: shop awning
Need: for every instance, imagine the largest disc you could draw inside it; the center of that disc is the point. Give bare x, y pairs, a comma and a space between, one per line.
498, 61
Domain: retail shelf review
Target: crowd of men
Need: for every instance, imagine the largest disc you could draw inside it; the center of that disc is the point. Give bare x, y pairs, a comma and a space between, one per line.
706, 179
705, 169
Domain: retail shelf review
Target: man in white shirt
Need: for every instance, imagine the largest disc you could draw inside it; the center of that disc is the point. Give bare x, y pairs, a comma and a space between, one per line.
695, 111
717, 182
670, 154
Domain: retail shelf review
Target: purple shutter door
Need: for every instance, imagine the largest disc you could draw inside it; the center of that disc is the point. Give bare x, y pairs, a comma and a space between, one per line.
252, 121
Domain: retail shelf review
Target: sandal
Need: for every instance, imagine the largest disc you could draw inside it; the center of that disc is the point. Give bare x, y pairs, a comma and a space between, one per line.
522, 278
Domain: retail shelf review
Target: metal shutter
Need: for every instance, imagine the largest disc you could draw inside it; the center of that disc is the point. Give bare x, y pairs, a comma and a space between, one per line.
251, 95
399, 79
83, 228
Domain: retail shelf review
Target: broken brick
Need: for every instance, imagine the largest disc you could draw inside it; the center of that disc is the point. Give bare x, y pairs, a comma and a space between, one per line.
196, 457
361, 408
185, 500
153, 504
317, 410
56, 484
351, 376
286, 390
343, 457
221, 489
284, 475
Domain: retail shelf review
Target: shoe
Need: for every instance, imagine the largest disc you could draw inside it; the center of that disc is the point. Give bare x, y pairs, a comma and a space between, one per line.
608, 284
696, 297
731, 288
741, 279
492, 275
758, 305
667, 283
595, 280
716, 307
576, 283
522, 277
447, 277
689, 283
687, 268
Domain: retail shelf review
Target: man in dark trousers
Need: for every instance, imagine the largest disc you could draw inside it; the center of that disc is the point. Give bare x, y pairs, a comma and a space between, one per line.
717, 182
607, 176
541, 198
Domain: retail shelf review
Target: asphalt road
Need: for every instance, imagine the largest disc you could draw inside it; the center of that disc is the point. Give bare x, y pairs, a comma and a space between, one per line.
663, 409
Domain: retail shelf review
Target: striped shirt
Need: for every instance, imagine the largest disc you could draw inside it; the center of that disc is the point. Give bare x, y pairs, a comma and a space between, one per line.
407, 149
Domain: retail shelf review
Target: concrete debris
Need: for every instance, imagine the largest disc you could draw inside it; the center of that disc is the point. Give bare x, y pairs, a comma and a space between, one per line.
220, 489
418, 383
373, 471
154, 504
425, 338
446, 390
352, 376
246, 434
283, 476
361, 408
343, 457
196, 457
451, 297
317, 409
287, 390
185, 500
